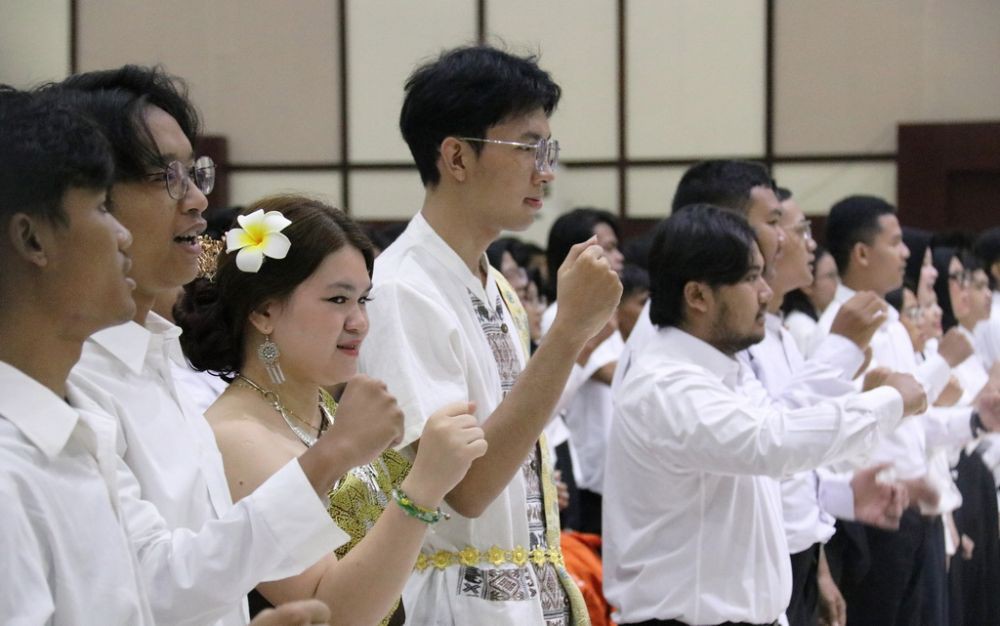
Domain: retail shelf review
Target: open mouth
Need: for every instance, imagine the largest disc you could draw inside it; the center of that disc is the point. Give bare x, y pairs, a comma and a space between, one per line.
189, 240
350, 348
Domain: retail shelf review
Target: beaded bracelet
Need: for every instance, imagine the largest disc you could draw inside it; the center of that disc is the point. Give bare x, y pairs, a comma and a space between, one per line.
411, 508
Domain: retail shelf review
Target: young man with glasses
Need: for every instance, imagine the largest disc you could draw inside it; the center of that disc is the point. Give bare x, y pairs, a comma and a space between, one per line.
210, 552
446, 328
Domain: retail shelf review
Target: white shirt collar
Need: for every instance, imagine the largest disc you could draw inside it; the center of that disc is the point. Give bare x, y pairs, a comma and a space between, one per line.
130, 342
682, 346
425, 234
41, 416
773, 322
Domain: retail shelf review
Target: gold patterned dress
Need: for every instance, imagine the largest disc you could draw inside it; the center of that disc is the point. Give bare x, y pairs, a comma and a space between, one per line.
358, 499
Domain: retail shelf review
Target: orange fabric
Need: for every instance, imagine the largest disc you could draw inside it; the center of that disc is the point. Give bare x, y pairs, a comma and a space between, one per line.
583, 562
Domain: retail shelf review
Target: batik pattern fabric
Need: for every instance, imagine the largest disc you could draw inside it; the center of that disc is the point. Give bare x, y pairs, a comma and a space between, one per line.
511, 584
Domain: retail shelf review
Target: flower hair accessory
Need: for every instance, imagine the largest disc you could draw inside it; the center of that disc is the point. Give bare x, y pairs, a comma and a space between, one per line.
259, 237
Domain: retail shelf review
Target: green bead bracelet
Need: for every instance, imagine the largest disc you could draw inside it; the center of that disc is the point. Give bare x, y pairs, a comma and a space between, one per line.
411, 508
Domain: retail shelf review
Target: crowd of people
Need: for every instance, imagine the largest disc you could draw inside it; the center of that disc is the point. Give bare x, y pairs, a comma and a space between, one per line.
717, 422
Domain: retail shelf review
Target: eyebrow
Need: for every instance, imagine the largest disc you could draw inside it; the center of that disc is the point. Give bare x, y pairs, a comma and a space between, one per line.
170, 156
347, 286
532, 135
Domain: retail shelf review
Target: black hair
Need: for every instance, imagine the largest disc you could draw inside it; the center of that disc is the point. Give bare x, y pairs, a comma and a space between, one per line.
942, 259
494, 253
783, 193
524, 251
987, 251
214, 313
634, 280
723, 183
917, 240
853, 220
463, 93
117, 100
636, 249
701, 243
569, 229
895, 298
46, 149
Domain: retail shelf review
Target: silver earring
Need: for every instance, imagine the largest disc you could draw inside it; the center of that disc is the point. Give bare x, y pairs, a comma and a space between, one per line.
268, 353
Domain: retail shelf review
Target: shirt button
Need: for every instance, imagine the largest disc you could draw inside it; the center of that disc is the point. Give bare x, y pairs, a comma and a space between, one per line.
503, 328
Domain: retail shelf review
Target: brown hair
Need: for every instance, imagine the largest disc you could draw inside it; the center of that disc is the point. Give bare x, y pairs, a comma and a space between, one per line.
213, 313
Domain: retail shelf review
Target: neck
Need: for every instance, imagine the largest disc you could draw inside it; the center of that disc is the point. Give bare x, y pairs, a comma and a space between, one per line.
40, 347
144, 301
858, 281
779, 290
298, 396
454, 222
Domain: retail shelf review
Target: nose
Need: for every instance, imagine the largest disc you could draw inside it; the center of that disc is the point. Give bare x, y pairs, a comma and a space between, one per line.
124, 236
546, 176
766, 293
357, 322
194, 200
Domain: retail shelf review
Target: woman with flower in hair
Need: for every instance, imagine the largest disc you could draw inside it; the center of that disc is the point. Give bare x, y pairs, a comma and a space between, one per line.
283, 318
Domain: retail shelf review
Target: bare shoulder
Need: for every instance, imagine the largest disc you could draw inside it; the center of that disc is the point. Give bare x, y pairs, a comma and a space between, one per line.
251, 449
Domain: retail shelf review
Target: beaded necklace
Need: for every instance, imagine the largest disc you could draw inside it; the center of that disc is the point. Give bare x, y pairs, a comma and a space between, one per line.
326, 415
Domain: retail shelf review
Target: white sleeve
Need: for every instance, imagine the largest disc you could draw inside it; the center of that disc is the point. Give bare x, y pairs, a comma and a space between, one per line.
415, 346
278, 531
25, 595
836, 496
705, 426
947, 426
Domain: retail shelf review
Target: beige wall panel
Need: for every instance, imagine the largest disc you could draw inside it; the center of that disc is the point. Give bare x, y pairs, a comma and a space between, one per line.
576, 42
387, 40
385, 195
34, 41
695, 78
263, 73
847, 72
246, 187
818, 186
651, 190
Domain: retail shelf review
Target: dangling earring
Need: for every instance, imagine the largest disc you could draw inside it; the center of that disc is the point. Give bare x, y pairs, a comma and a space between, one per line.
268, 353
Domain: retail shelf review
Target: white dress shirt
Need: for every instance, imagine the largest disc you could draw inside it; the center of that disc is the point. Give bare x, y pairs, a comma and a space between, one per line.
426, 342
906, 446
589, 409
65, 554
172, 479
802, 327
692, 508
795, 382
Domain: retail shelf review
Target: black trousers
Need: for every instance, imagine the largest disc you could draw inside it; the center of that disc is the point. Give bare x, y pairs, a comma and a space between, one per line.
590, 511
802, 608
890, 593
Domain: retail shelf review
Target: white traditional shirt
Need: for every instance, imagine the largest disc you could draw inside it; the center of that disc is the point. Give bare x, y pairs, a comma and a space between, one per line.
588, 409
202, 554
426, 341
692, 506
64, 549
796, 383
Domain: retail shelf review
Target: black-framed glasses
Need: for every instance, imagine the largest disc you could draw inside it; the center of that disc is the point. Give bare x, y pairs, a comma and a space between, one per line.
177, 178
546, 151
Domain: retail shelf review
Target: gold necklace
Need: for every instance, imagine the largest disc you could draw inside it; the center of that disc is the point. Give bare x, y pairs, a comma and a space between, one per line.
272, 398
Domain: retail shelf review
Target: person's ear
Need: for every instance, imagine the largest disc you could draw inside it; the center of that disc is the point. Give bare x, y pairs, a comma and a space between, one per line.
262, 317
861, 254
454, 159
698, 296
30, 237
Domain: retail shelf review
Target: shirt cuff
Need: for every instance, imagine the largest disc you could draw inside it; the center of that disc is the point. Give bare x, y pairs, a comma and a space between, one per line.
835, 494
887, 405
933, 374
296, 516
840, 352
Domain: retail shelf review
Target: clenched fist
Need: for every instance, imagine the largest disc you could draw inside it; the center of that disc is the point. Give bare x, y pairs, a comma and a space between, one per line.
860, 317
588, 291
450, 442
368, 419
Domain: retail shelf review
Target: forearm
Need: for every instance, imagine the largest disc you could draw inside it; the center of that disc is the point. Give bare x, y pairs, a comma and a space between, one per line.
362, 587
324, 464
515, 425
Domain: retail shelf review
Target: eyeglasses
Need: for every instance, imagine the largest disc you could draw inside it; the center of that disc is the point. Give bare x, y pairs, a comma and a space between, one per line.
177, 178
804, 229
546, 151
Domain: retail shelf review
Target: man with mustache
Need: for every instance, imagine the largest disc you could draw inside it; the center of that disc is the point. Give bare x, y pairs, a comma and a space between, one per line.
696, 534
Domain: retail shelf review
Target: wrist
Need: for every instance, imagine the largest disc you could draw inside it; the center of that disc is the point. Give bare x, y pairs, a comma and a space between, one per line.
421, 493
568, 333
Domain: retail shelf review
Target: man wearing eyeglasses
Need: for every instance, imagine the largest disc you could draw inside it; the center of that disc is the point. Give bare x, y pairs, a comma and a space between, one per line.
198, 552
446, 328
